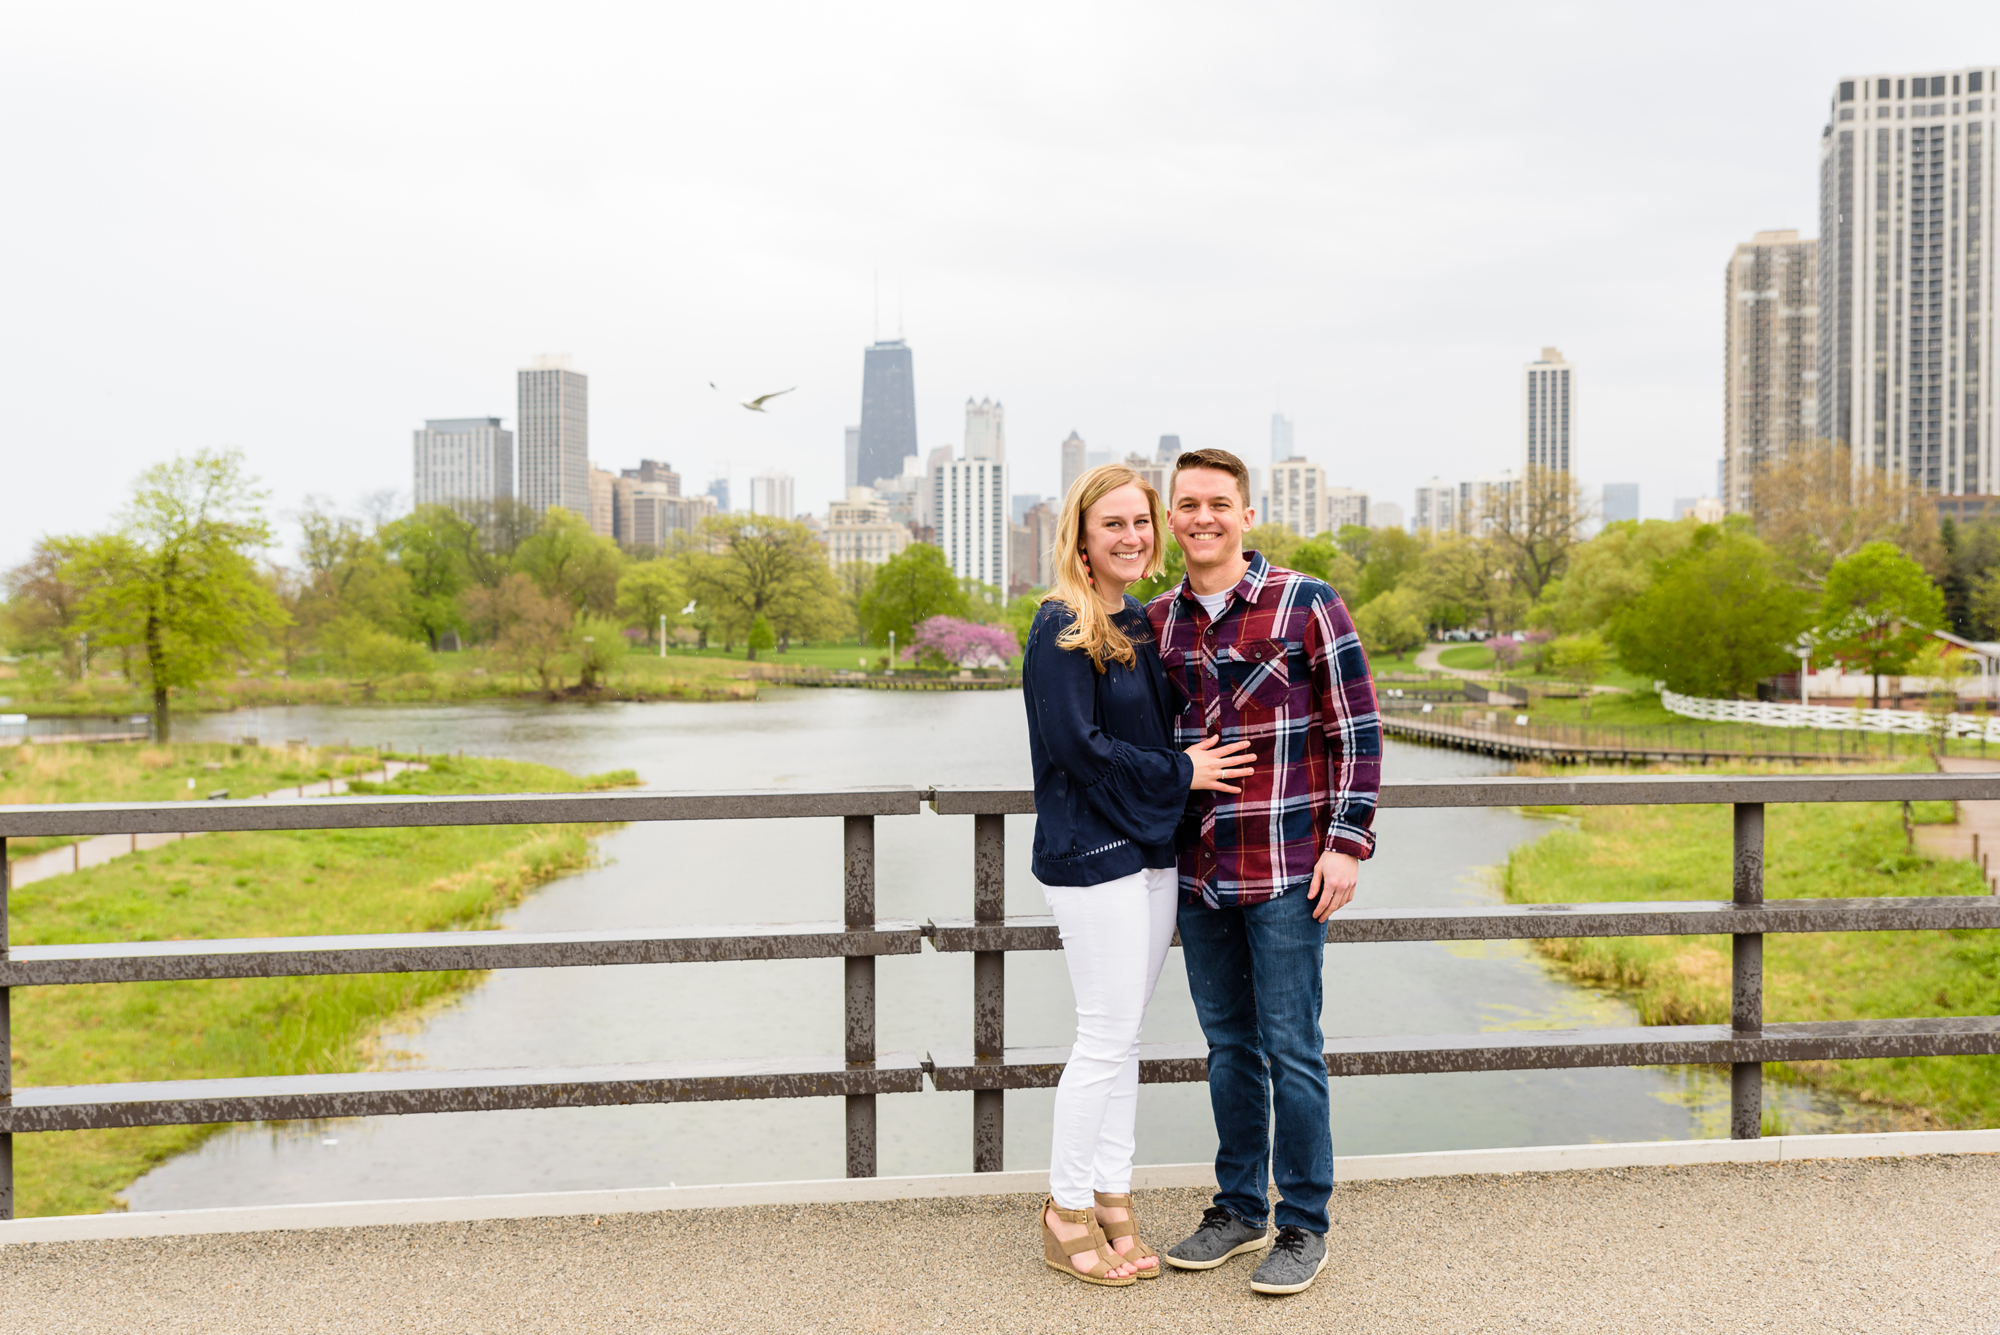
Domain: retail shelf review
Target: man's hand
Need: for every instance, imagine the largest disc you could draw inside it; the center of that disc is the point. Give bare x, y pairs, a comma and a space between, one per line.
1333, 881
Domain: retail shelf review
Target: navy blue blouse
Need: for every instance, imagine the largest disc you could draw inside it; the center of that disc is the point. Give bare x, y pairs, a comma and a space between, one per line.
1109, 784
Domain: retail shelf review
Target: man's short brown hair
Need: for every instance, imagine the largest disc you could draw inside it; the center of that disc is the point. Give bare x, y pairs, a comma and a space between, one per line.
1222, 461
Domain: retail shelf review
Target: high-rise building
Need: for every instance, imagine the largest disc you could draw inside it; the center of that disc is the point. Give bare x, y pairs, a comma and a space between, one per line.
1770, 370
853, 457
1298, 491
1040, 523
553, 423
1154, 471
937, 459
1019, 505
861, 529
1549, 433
1481, 498
1437, 508
461, 460
647, 505
1385, 514
969, 513
1343, 506
1072, 464
1170, 449
1906, 278
718, 491
1098, 458
1281, 438
771, 494
603, 502
985, 431
888, 412
1621, 501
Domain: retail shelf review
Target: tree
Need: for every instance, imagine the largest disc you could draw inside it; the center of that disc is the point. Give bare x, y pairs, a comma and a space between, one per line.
914, 585
532, 630
1971, 559
761, 636
1274, 540
948, 641
568, 561
1392, 554
1716, 619
429, 547
600, 648
44, 599
1578, 659
1463, 579
649, 591
368, 653
347, 575
1535, 525
1173, 569
1391, 624
1608, 573
1877, 610
178, 578
1815, 510
742, 567
1324, 560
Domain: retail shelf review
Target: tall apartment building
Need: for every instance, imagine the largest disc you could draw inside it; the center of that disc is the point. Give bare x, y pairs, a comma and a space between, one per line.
603, 502
1154, 471
771, 494
718, 491
888, 412
1548, 438
1437, 507
1072, 464
1298, 491
861, 528
1281, 438
1034, 555
969, 514
1343, 505
553, 421
1385, 514
1906, 277
1481, 497
851, 464
462, 460
985, 431
1770, 402
648, 505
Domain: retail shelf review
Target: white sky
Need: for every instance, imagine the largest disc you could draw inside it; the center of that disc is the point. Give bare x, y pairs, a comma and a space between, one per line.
300, 230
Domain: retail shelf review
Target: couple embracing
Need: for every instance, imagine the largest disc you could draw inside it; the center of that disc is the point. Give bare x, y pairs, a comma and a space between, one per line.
1209, 761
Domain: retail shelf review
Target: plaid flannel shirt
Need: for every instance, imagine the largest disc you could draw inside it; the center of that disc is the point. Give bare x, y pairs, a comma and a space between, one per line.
1283, 669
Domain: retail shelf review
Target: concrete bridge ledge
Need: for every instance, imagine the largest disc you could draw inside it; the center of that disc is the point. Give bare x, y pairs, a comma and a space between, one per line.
646, 1200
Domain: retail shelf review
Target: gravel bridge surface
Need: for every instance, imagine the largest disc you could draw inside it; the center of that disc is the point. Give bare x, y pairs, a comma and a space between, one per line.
1814, 1245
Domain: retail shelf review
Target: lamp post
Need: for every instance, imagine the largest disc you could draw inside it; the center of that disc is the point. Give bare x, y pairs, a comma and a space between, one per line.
892, 653
663, 634
1804, 651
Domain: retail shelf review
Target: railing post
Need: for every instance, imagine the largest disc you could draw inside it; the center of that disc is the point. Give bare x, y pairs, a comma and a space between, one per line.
859, 845
1746, 976
6, 1049
989, 989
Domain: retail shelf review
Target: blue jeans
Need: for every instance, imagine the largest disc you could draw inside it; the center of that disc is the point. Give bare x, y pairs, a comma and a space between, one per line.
1255, 975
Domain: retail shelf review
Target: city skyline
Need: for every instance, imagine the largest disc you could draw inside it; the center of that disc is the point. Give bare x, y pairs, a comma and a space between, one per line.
1324, 217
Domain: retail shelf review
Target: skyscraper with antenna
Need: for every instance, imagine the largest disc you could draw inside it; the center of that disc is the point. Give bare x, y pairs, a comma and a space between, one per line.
888, 412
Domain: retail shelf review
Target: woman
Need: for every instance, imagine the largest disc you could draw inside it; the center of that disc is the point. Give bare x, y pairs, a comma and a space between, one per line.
1109, 792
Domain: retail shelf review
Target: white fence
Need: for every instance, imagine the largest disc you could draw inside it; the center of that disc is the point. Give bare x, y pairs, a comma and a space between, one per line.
1776, 714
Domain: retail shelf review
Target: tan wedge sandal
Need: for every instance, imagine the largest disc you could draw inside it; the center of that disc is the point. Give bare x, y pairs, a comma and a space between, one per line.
1128, 1228
1056, 1253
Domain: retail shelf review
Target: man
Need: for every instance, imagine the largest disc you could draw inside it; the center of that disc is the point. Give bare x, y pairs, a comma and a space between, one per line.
1265, 655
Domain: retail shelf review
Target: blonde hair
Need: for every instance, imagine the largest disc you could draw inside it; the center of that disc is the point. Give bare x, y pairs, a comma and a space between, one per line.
1093, 631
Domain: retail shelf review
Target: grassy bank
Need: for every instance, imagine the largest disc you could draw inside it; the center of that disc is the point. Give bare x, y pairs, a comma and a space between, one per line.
305, 883
1820, 851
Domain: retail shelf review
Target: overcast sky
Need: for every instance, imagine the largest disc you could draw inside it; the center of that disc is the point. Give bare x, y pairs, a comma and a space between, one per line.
301, 230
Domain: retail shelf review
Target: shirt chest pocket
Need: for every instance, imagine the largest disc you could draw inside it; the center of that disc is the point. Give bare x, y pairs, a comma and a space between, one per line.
1256, 673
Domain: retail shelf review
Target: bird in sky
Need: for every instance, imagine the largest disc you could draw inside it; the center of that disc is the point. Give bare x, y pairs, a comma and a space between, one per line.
756, 405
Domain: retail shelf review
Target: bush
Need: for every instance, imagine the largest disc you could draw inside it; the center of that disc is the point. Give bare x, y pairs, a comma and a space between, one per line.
1391, 623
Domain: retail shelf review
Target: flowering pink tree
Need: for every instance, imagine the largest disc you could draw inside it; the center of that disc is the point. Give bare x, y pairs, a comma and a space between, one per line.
962, 643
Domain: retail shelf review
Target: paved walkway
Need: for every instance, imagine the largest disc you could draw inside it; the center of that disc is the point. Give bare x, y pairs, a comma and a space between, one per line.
1977, 833
106, 847
1808, 1246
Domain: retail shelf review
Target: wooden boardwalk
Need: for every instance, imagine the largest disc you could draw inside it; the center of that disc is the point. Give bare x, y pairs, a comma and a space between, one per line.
1509, 744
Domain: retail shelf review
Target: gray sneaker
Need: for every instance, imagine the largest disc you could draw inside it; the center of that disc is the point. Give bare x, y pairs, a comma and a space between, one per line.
1295, 1261
1221, 1236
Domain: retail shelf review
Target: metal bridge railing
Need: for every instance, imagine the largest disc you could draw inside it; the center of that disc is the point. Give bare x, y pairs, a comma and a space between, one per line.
987, 1067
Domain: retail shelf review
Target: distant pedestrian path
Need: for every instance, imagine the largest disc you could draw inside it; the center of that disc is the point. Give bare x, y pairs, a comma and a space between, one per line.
1810, 1245
106, 847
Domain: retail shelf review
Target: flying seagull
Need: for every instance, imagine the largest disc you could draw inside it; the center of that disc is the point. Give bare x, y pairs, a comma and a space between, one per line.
756, 405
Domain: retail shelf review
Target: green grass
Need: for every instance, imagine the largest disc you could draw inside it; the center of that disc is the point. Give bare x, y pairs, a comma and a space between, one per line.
1468, 657
126, 772
228, 885
1832, 850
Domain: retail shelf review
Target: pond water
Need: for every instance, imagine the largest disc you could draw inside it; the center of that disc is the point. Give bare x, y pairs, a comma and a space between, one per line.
779, 871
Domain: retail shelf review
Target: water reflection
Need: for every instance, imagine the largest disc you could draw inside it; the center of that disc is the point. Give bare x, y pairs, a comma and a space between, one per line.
719, 872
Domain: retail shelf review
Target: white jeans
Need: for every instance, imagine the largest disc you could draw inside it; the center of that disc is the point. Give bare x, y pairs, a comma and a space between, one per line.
1115, 937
